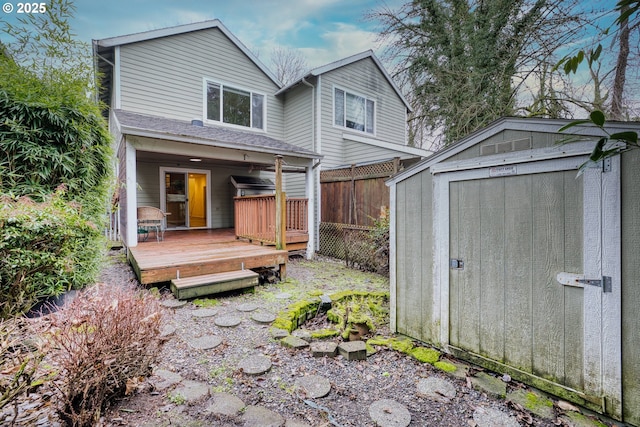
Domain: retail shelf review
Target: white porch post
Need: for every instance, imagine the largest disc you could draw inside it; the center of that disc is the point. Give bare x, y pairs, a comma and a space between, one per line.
131, 238
310, 191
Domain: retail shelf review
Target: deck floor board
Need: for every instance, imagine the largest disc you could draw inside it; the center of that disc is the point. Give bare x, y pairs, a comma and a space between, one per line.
195, 252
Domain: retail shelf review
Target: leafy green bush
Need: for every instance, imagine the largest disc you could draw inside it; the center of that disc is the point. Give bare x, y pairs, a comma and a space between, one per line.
45, 249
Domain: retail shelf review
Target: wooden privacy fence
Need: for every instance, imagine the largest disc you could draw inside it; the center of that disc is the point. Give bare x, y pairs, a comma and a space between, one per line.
356, 194
255, 217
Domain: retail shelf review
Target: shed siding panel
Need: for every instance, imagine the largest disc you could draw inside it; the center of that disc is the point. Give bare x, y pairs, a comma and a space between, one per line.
518, 275
492, 238
630, 287
413, 300
548, 230
403, 257
430, 327
164, 76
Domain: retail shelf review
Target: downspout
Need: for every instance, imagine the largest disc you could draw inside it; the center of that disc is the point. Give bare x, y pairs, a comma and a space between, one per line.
314, 209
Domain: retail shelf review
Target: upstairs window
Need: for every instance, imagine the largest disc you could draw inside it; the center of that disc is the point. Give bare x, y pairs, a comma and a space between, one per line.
227, 104
353, 111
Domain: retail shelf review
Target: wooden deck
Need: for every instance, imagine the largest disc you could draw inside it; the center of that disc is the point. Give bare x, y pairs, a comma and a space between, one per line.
191, 253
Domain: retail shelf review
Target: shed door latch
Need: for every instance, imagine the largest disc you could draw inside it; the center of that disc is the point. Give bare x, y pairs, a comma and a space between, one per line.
456, 264
604, 283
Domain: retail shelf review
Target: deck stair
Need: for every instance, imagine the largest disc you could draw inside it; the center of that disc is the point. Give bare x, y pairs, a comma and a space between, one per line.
197, 286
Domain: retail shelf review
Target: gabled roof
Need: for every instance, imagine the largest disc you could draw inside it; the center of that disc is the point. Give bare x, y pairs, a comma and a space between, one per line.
129, 123
182, 29
344, 62
510, 123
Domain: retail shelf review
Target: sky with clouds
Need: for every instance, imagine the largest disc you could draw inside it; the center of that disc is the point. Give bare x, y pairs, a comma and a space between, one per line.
324, 30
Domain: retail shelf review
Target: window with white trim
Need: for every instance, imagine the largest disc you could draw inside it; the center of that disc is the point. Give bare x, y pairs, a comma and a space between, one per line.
353, 111
227, 104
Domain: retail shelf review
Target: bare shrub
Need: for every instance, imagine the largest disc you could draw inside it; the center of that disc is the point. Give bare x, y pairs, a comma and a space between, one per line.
19, 361
106, 337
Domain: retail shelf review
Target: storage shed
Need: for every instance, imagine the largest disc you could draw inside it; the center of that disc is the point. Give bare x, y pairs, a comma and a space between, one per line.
502, 255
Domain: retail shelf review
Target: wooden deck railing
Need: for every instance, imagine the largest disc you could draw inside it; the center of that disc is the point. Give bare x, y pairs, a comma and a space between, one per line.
255, 217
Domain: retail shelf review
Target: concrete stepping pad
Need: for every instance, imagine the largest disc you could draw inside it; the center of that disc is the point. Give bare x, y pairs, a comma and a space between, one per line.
302, 333
247, 306
278, 334
259, 416
192, 391
204, 312
324, 348
489, 417
167, 331
255, 365
225, 404
534, 402
294, 342
489, 384
389, 413
283, 295
353, 350
313, 386
263, 317
227, 321
173, 303
436, 388
167, 379
206, 342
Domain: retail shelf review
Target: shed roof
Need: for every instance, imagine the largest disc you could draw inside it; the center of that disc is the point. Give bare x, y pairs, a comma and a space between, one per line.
344, 62
129, 123
509, 123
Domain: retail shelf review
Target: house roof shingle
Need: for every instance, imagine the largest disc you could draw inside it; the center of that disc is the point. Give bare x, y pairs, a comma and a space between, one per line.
215, 136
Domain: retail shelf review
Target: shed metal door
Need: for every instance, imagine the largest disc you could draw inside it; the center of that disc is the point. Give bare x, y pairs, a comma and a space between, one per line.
513, 235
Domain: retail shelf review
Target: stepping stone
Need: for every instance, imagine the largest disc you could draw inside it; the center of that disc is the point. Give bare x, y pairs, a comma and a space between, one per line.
206, 342
277, 333
576, 419
489, 384
225, 404
437, 389
173, 303
258, 416
167, 331
534, 402
283, 295
296, 423
247, 306
204, 312
314, 386
353, 350
227, 321
167, 379
389, 413
489, 417
255, 365
192, 391
302, 333
263, 317
294, 342
324, 348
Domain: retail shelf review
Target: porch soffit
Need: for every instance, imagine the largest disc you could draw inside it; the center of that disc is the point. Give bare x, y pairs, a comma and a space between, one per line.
181, 131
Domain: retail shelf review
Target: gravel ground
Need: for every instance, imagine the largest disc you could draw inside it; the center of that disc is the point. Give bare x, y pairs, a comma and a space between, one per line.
354, 384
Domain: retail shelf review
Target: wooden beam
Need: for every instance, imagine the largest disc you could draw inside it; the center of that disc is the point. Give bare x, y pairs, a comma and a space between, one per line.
281, 214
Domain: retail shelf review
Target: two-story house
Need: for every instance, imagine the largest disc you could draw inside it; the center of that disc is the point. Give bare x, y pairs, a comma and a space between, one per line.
193, 111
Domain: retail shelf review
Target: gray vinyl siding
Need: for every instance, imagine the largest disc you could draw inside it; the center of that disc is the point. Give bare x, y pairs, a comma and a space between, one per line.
222, 191
362, 78
164, 76
299, 129
630, 199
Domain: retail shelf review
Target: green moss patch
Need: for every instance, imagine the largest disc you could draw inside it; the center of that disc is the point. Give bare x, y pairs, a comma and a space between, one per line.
445, 366
425, 355
205, 302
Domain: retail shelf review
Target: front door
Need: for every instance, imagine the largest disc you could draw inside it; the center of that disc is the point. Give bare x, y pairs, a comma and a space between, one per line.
184, 198
513, 241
